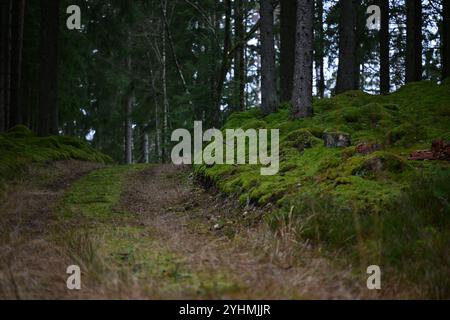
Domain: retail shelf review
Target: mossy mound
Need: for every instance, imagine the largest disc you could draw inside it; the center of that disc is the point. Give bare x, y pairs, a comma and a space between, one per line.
20, 147
366, 200
398, 123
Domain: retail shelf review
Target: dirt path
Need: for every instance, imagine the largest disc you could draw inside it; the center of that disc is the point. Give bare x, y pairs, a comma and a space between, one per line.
215, 236
27, 209
150, 232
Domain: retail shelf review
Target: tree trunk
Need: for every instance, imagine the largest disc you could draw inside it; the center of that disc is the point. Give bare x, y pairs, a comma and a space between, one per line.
129, 129
128, 112
145, 147
48, 104
18, 11
413, 40
4, 45
385, 82
347, 48
157, 121
287, 47
239, 64
224, 66
446, 40
6, 61
268, 70
303, 75
164, 86
319, 50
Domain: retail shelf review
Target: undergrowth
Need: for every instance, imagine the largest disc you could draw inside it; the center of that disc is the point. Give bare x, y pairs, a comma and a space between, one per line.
378, 207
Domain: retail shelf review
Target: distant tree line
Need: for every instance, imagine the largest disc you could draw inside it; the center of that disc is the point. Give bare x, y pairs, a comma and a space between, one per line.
138, 69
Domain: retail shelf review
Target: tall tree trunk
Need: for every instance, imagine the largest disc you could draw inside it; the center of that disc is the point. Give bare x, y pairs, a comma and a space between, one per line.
347, 48
287, 47
7, 40
268, 70
48, 104
146, 147
385, 81
319, 50
164, 86
446, 40
413, 40
4, 44
128, 111
129, 128
224, 66
360, 34
157, 119
18, 11
239, 63
303, 75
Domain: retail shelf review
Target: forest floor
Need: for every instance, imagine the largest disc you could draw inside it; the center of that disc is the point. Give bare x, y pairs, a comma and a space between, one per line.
152, 232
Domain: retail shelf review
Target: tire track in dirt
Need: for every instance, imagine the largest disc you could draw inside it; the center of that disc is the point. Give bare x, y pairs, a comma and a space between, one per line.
212, 236
32, 266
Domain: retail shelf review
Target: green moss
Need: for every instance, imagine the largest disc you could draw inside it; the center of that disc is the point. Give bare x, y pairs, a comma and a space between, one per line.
401, 122
301, 139
348, 200
20, 147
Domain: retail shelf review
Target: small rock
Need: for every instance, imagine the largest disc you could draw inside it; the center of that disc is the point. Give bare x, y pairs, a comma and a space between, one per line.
337, 139
367, 148
217, 227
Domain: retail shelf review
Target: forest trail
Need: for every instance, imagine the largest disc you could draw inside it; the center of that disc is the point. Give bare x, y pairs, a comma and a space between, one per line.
151, 232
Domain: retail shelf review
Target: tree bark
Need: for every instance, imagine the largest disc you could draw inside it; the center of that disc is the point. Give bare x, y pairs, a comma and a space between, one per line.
158, 151
385, 81
6, 61
347, 48
319, 50
239, 63
48, 100
4, 29
413, 41
129, 129
268, 70
287, 47
224, 66
164, 86
129, 101
145, 147
18, 11
446, 40
303, 75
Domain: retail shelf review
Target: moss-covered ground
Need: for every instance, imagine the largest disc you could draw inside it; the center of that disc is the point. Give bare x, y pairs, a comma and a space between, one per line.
379, 207
19, 147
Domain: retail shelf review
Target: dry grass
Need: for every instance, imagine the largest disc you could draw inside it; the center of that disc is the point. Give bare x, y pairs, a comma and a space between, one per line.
215, 235
173, 241
31, 265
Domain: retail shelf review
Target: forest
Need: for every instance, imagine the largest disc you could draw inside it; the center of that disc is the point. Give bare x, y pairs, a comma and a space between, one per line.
92, 91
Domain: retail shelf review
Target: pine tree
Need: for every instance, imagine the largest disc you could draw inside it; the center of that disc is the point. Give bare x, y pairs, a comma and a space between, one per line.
48, 104
384, 48
446, 39
346, 78
288, 19
413, 41
302, 93
268, 70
